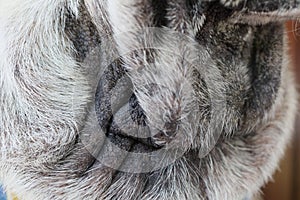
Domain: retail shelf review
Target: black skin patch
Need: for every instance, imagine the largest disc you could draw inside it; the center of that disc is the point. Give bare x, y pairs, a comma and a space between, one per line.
265, 66
258, 59
103, 96
267, 5
82, 32
159, 12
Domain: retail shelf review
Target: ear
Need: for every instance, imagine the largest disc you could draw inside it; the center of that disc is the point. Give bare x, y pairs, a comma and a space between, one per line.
265, 11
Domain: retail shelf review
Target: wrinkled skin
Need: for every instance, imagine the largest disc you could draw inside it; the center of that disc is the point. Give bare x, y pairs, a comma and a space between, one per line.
206, 83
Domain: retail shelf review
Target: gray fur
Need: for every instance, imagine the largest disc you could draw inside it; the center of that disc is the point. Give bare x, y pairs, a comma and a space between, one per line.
232, 52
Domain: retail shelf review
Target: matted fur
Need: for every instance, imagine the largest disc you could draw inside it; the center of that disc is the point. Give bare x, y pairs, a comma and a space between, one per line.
48, 82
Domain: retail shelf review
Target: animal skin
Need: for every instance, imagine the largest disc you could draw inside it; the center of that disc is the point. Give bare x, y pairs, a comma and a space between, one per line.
143, 99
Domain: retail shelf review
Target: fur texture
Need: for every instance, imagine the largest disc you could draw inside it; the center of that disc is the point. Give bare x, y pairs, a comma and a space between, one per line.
210, 79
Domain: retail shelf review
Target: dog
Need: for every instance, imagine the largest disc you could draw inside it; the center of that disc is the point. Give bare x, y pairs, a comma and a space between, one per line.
144, 99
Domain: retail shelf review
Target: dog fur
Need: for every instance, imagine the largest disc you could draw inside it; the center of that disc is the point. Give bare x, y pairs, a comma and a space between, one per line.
232, 52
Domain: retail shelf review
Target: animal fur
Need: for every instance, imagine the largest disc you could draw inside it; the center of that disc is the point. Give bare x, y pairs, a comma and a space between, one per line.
210, 78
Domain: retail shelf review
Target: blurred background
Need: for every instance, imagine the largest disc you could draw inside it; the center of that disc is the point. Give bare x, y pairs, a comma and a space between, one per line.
286, 184
2, 195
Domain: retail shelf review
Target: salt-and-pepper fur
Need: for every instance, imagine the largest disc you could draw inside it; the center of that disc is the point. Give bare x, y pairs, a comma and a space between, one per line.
47, 86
